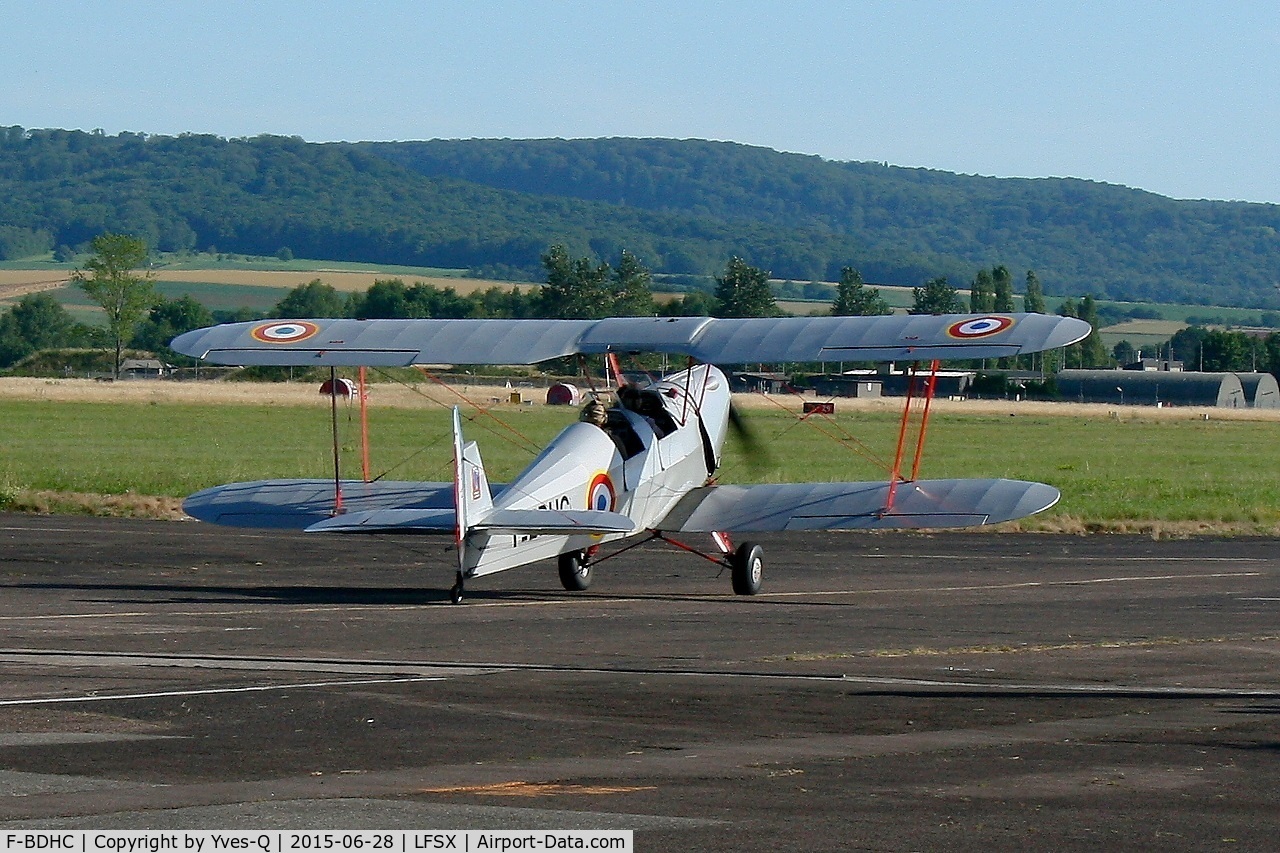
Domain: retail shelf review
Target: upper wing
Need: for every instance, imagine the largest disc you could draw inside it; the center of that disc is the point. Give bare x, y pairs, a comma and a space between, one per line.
298, 504
848, 506
732, 341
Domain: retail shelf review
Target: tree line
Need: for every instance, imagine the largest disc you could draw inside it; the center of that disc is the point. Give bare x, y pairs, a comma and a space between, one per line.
575, 288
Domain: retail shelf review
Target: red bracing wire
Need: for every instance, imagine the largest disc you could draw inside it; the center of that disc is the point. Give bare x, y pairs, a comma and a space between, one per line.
529, 443
847, 440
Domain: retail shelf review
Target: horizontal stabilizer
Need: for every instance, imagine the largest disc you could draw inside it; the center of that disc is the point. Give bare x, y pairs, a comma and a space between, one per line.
532, 522
857, 506
297, 504
390, 520
555, 521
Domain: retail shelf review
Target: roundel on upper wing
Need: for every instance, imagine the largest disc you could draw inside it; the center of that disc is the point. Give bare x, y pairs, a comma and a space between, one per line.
600, 494
288, 332
979, 327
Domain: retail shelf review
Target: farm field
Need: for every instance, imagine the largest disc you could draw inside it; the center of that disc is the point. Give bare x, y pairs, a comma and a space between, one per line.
1167, 471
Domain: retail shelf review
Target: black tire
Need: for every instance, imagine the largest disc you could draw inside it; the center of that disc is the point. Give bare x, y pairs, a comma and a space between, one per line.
575, 571
748, 568
455, 594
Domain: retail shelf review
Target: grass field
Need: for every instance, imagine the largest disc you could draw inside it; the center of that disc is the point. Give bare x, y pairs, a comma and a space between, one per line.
1130, 469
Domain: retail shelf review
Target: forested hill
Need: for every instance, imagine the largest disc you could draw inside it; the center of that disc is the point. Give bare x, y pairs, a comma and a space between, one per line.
1080, 236
681, 206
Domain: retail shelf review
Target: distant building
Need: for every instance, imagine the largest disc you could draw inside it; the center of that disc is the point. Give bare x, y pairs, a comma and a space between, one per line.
760, 383
844, 385
1261, 390
1155, 364
893, 383
1150, 388
342, 387
143, 368
563, 394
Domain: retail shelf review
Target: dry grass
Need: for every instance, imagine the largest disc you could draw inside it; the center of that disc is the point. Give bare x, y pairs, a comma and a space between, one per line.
425, 395
382, 395
79, 503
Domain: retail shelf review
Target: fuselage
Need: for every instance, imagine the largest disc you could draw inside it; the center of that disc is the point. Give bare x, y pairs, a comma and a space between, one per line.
662, 440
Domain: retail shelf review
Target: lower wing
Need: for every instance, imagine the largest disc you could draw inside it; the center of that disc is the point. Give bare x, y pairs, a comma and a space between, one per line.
380, 507
857, 506
298, 504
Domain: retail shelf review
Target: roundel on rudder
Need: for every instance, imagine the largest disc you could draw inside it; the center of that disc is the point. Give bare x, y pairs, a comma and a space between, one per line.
600, 493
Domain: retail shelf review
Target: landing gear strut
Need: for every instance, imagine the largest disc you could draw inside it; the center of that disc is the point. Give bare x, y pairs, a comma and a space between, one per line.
575, 571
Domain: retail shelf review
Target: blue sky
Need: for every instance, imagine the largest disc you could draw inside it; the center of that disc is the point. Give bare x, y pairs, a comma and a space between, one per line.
1179, 98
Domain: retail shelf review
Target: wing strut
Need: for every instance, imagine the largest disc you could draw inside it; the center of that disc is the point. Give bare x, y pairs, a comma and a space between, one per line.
364, 423
616, 369
333, 417
914, 392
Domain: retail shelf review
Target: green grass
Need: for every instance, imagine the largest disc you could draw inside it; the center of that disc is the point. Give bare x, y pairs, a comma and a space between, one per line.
1108, 470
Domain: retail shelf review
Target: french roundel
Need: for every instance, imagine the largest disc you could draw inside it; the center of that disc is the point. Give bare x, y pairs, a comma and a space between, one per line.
600, 494
979, 327
284, 333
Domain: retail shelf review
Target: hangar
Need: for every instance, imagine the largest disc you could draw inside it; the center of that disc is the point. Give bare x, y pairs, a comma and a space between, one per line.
1261, 390
1151, 388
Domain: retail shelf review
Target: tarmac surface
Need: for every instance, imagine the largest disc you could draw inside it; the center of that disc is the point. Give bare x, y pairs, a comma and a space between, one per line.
884, 692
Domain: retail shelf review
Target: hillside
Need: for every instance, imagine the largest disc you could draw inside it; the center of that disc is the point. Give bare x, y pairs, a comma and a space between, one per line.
684, 207
1079, 236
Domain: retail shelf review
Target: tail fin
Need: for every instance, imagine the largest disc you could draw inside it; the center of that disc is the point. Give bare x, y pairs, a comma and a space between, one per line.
471, 496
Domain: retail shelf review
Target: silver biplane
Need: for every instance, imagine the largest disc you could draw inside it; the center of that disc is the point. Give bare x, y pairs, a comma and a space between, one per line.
647, 465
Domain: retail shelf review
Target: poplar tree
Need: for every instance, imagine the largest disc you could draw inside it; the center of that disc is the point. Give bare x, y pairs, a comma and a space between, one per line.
982, 293
108, 278
1093, 352
632, 288
936, 297
744, 291
855, 299
1033, 299
575, 289
1002, 279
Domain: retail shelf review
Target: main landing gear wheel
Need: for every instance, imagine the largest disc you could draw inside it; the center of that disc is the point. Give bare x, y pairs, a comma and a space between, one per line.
747, 564
455, 594
575, 571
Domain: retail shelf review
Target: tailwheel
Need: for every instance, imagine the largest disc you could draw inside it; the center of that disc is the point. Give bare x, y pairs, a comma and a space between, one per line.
455, 594
747, 564
575, 571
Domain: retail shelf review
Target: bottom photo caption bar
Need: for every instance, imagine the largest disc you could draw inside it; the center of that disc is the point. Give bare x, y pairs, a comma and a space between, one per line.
289, 841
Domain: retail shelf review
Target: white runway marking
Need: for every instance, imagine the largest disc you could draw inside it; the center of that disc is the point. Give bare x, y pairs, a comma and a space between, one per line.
1019, 585
214, 691
1071, 558
452, 669
572, 600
